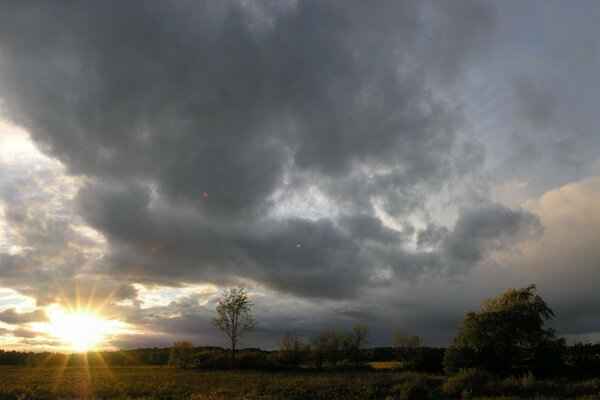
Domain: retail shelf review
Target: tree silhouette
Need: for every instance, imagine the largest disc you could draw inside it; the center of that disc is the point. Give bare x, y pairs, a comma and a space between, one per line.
233, 316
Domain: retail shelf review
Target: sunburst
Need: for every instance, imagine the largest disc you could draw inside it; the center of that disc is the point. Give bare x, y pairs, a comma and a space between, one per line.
81, 330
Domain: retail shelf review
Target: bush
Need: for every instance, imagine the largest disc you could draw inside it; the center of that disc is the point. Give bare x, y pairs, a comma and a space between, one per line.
457, 358
212, 359
415, 386
428, 359
416, 390
472, 381
253, 360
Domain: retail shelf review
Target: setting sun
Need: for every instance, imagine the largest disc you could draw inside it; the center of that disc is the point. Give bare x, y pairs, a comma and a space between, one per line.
81, 331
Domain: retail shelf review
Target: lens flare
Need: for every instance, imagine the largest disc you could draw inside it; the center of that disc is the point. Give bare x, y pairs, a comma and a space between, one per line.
81, 331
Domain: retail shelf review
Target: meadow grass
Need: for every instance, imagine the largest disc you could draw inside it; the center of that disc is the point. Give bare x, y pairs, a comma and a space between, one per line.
159, 382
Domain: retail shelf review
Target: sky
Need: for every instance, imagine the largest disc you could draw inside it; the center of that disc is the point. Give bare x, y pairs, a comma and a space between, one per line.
392, 163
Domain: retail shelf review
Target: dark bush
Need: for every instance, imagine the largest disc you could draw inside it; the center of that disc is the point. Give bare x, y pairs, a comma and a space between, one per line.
212, 359
472, 380
428, 359
253, 360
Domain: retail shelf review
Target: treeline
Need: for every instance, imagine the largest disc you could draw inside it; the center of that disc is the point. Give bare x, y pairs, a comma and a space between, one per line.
323, 357
505, 337
151, 356
581, 359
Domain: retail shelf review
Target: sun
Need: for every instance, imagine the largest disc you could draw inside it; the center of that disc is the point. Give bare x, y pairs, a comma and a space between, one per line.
81, 331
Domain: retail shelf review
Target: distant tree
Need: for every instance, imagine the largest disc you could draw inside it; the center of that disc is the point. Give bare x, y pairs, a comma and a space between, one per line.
292, 351
233, 316
406, 346
181, 354
358, 338
327, 345
507, 335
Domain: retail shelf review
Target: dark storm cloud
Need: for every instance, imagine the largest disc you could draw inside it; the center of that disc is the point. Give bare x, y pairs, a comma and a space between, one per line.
188, 118
310, 257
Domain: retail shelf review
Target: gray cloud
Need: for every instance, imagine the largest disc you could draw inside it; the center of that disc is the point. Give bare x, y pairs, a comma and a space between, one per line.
547, 75
305, 147
189, 120
11, 316
490, 227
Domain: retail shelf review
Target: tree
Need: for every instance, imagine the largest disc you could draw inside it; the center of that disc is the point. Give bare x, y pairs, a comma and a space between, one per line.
359, 337
406, 346
327, 345
506, 335
292, 350
181, 354
233, 316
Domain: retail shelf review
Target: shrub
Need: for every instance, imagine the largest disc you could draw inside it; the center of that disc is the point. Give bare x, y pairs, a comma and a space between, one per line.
428, 359
253, 360
472, 380
416, 390
212, 359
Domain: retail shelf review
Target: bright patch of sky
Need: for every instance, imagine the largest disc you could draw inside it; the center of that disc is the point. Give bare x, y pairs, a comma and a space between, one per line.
162, 296
10, 299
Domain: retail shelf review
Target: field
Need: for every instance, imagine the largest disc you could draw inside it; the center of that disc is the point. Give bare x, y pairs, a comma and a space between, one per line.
170, 383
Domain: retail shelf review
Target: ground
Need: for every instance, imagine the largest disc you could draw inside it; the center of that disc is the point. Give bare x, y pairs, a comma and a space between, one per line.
171, 383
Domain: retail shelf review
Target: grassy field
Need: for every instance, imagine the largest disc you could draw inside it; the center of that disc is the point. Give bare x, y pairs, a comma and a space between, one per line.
170, 383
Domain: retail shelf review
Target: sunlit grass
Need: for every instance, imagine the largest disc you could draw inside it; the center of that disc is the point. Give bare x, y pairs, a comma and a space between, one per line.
162, 382
386, 364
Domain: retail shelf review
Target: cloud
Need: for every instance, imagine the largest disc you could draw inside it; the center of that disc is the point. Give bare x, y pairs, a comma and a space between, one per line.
311, 149
188, 121
562, 261
11, 316
487, 228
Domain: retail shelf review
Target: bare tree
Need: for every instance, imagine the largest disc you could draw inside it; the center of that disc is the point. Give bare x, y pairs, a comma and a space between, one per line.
327, 345
406, 341
233, 316
292, 351
407, 346
360, 336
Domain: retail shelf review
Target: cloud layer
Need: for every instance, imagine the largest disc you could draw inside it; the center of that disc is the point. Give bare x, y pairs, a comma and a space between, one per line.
315, 150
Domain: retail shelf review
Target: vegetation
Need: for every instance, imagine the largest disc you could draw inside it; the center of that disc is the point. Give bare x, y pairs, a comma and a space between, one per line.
162, 383
359, 338
233, 316
328, 347
181, 354
293, 352
502, 351
407, 347
507, 336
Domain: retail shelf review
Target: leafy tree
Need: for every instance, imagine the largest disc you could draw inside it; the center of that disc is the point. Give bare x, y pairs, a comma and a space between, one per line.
233, 316
506, 335
181, 354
